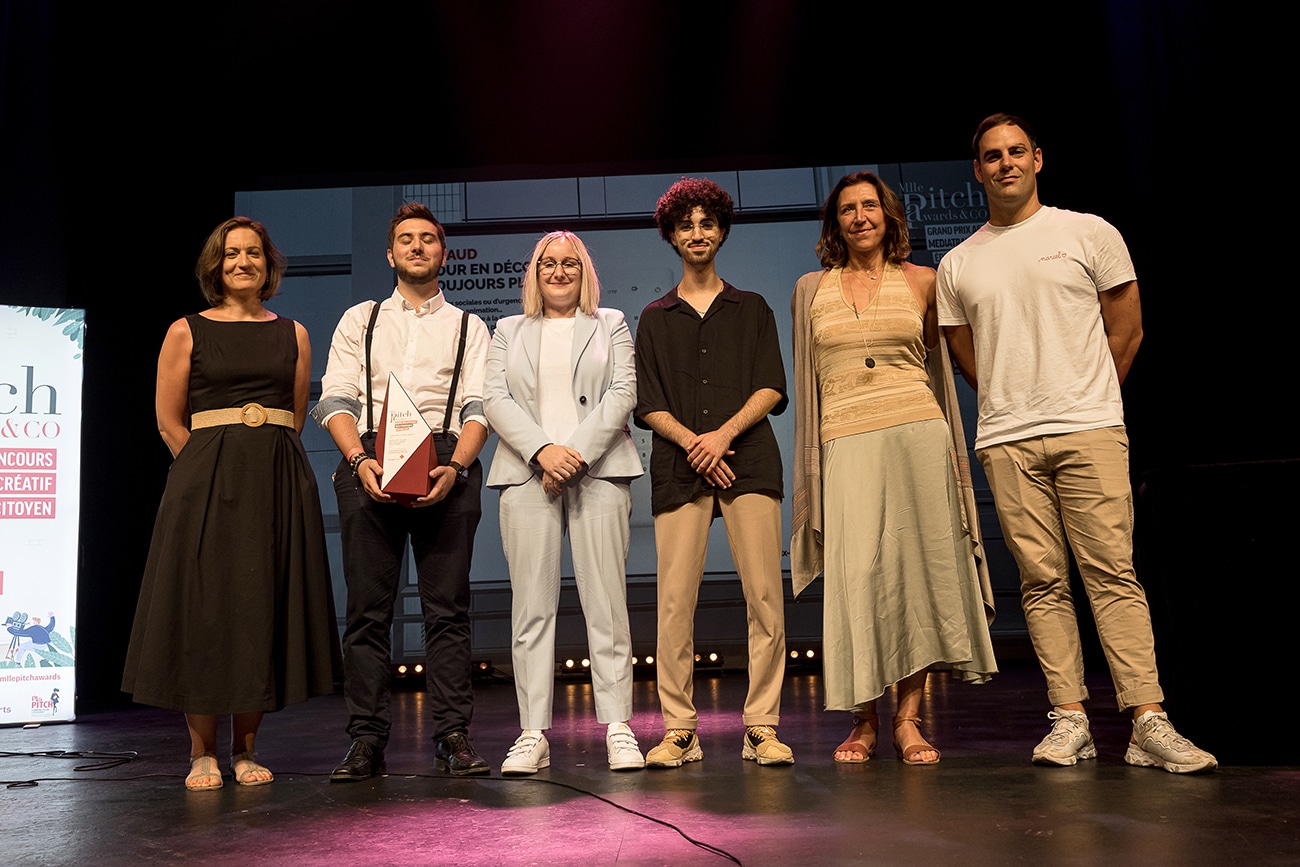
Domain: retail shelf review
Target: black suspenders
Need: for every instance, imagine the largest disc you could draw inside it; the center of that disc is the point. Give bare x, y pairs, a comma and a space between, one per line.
455, 375
370, 401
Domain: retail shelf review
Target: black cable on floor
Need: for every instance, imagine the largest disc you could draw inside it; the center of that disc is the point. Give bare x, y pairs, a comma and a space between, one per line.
104, 761
100, 762
707, 847
482, 778
35, 781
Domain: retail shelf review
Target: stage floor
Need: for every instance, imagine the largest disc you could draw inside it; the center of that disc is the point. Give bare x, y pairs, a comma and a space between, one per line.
984, 804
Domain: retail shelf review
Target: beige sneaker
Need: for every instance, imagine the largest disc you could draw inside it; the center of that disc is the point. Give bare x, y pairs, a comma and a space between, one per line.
1069, 741
762, 746
1156, 744
678, 747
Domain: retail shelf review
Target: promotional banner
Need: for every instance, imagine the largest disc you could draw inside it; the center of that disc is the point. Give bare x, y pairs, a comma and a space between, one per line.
40, 490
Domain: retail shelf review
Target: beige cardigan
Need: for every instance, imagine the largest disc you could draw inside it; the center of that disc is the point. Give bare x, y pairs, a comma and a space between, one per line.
806, 532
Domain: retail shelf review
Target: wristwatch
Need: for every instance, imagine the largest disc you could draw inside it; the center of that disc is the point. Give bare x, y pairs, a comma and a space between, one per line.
462, 474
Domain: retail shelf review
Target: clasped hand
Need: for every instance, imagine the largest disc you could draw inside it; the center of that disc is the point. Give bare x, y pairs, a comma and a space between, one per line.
707, 453
560, 465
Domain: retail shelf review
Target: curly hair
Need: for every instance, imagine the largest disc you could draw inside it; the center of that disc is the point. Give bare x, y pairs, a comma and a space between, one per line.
212, 259
685, 196
1002, 119
588, 295
831, 249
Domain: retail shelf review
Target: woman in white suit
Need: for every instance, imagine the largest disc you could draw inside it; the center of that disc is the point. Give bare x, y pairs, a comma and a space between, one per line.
560, 384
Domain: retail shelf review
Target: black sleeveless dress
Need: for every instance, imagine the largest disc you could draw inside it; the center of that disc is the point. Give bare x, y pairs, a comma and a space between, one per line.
236, 610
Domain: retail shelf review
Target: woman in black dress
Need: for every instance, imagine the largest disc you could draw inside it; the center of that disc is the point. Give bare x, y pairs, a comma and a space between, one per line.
236, 612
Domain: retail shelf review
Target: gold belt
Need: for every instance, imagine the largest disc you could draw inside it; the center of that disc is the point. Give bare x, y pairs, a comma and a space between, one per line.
251, 414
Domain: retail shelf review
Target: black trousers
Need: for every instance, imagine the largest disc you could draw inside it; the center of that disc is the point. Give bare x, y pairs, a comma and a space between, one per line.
442, 540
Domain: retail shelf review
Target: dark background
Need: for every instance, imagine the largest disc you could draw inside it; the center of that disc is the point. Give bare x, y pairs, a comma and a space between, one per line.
124, 135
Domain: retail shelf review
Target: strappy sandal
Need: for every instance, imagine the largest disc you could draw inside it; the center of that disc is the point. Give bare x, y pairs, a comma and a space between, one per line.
907, 752
244, 766
857, 744
203, 767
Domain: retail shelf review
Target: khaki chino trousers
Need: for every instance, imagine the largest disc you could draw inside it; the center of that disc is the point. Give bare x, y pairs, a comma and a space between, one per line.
1074, 489
753, 523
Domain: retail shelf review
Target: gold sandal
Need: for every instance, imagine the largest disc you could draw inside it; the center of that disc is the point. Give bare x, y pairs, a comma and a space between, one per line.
244, 766
203, 767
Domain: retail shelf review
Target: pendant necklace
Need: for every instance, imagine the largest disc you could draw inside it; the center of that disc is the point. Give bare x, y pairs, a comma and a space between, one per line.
869, 361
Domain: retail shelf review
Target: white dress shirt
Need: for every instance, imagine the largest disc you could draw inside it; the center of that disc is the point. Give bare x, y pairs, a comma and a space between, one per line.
419, 345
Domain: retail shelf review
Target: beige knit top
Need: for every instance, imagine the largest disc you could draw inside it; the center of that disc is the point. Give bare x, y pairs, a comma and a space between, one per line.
856, 398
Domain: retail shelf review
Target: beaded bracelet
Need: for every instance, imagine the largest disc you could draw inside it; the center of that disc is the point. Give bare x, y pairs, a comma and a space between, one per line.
357, 460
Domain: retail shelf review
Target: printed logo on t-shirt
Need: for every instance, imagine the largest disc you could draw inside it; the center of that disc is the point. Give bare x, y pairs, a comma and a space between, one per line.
1060, 254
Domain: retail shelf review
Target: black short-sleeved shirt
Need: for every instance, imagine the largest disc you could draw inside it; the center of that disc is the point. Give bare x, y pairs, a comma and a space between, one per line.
703, 370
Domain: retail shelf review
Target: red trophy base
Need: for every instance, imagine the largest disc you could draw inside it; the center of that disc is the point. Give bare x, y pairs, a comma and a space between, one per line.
404, 446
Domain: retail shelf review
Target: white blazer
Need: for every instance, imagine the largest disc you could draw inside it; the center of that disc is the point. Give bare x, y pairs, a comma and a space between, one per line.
604, 388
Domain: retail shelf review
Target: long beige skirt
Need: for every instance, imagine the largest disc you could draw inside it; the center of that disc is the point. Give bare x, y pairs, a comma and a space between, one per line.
902, 592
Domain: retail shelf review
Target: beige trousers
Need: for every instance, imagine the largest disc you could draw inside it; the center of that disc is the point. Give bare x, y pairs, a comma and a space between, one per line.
1074, 489
753, 524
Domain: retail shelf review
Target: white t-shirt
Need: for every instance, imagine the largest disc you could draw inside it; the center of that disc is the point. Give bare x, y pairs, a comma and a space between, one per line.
1030, 294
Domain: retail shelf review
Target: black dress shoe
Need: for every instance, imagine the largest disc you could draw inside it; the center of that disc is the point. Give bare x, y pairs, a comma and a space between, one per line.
456, 756
362, 762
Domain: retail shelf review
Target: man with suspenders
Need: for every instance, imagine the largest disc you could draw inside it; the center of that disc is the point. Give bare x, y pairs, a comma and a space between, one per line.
438, 353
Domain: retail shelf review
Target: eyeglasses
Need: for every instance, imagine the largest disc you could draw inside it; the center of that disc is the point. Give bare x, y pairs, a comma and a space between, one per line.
548, 266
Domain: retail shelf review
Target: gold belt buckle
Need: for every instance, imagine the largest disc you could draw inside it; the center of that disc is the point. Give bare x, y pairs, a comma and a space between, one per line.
253, 414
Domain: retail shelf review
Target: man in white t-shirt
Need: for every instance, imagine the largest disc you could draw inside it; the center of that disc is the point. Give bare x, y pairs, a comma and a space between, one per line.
1040, 310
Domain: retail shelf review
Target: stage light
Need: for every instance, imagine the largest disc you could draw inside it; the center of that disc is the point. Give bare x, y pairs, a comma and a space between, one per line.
708, 660
634, 660
806, 660
419, 669
586, 663
568, 663
401, 669
649, 660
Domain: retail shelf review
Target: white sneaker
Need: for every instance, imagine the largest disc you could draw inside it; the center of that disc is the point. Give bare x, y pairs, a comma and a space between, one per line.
624, 752
1156, 744
1069, 740
529, 754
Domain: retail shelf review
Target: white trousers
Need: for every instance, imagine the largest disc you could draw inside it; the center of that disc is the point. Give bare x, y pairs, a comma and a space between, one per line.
595, 513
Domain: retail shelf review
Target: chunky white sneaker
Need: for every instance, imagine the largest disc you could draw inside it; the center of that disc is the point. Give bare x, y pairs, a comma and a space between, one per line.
624, 752
1156, 744
1069, 740
762, 746
529, 754
678, 747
